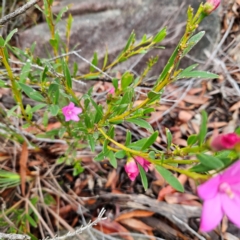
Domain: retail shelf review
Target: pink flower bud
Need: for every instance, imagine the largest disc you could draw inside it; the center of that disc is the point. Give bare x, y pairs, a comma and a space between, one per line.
111, 90
224, 141
131, 169
143, 162
210, 6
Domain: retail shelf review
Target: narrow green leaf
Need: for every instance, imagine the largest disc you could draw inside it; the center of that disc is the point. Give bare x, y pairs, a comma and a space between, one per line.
210, 161
169, 138
91, 142
112, 159
143, 177
67, 76
53, 93
168, 176
120, 154
32, 93
153, 96
200, 168
160, 35
130, 41
94, 62
128, 138
3, 84
54, 109
197, 74
141, 123
105, 59
99, 157
25, 72
203, 128
126, 80
60, 14
192, 139
31, 221
150, 141
192, 42
9, 36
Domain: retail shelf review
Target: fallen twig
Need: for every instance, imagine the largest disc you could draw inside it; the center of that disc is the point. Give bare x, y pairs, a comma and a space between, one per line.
18, 12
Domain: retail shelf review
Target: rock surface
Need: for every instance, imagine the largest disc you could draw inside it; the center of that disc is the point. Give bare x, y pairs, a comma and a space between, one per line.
107, 24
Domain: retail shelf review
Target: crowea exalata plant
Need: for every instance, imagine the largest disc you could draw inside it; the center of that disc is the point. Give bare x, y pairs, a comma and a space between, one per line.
83, 120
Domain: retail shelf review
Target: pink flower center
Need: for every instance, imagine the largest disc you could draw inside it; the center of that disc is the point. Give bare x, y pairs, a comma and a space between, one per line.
69, 112
225, 188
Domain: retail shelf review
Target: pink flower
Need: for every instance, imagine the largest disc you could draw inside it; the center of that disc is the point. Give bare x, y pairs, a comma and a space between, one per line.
211, 5
221, 195
143, 162
71, 112
224, 141
111, 90
131, 169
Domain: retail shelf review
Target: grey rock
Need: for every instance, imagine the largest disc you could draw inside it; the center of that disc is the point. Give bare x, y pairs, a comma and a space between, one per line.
107, 24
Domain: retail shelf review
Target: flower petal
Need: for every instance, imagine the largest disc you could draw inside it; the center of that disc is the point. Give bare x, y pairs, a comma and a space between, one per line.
231, 207
67, 118
77, 110
209, 189
231, 174
212, 214
71, 105
75, 118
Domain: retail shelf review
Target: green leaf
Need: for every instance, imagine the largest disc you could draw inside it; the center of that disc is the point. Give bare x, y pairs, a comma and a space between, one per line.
9, 36
100, 157
200, 168
143, 177
153, 96
197, 74
130, 41
25, 72
60, 14
120, 154
128, 138
54, 109
126, 80
31, 221
152, 154
167, 67
192, 139
91, 142
105, 59
203, 128
138, 144
141, 123
94, 62
169, 138
32, 93
112, 159
3, 84
150, 141
44, 74
160, 35
167, 175
53, 93
210, 161
192, 42
67, 75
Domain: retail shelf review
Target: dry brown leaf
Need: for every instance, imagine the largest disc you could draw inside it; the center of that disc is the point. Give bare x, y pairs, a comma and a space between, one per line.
113, 227
185, 116
23, 167
195, 99
4, 156
136, 224
217, 124
235, 106
180, 142
135, 213
112, 179
178, 197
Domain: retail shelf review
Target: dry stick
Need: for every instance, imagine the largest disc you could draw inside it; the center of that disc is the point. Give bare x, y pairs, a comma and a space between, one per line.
18, 12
